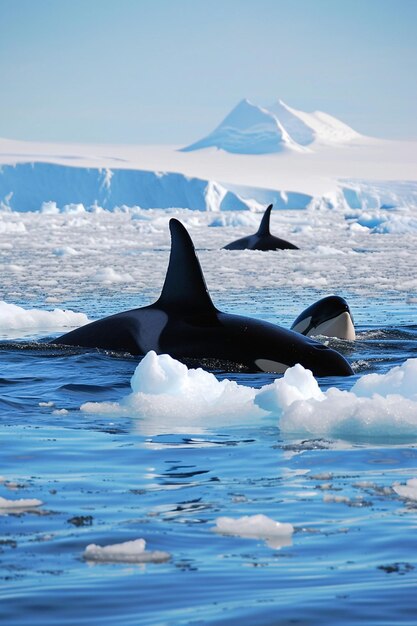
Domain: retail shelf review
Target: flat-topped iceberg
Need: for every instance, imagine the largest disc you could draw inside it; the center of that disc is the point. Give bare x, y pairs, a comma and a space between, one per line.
275, 534
126, 552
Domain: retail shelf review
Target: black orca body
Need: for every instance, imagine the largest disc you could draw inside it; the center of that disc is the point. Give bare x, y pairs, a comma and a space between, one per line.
261, 240
330, 317
184, 323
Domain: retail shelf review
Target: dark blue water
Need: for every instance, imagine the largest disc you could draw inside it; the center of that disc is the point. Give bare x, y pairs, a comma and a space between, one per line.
352, 558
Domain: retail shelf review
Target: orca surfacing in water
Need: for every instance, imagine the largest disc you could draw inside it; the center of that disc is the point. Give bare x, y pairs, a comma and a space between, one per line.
330, 317
184, 323
262, 239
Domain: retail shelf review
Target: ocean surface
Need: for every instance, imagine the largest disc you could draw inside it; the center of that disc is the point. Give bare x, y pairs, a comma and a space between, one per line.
103, 479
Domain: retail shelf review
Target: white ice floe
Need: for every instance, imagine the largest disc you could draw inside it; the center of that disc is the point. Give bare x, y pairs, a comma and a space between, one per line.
64, 251
13, 317
168, 397
378, 406
126, 552
276, 534
22, 505
108, 275
408, 491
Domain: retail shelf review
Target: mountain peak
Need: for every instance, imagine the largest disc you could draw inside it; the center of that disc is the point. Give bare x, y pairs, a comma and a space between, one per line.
252, 129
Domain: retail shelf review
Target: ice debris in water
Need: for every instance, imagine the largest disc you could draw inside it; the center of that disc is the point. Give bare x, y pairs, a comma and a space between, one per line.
409, 490
14, 317
172, 397
126, 552
276, 534
20, 505
169, 396
108, 275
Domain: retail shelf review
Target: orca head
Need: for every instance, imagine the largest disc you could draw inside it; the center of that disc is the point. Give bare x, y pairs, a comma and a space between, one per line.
330, 317
267, 347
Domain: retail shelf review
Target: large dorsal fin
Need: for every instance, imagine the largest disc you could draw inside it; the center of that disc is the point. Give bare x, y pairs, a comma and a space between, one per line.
184, 288
264, 226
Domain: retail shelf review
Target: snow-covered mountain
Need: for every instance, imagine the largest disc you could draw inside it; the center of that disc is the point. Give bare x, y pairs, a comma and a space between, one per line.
251, 129
278, 156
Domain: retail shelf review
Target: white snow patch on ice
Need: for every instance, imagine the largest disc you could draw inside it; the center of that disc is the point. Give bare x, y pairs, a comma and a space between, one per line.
126, 552
276, 534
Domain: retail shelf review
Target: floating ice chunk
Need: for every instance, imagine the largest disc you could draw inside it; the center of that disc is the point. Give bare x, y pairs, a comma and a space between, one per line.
108, 275
297, 384
171, 397
12, 227
49, 208
344, 415
126, 552
380, 406
409, 490
65, 251
14, 317
74, 208
401, 379
18, 506
168, 397
338, 499
276, 534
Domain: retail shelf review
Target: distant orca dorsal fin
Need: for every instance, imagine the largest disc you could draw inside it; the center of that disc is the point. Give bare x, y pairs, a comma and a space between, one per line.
184, 287
264, 225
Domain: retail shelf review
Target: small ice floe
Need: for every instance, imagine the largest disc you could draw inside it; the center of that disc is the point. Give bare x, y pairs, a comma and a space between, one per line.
338, 499
408, 491
275, 534
65, 251
49, 208
382, 406
126, 552
107, 276
13, 317
170, 397
18, 506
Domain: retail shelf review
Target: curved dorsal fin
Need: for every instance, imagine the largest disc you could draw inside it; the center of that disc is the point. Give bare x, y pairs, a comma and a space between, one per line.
264, 226
184, 287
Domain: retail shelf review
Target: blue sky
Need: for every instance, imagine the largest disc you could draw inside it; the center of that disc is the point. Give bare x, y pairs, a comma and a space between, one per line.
159, 71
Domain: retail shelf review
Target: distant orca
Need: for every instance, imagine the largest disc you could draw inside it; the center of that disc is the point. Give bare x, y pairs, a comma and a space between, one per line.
184, 323
329, 316
262, 240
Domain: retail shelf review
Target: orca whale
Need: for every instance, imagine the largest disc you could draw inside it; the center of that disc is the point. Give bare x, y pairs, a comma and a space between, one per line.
262, 239
184, 323
330, 317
